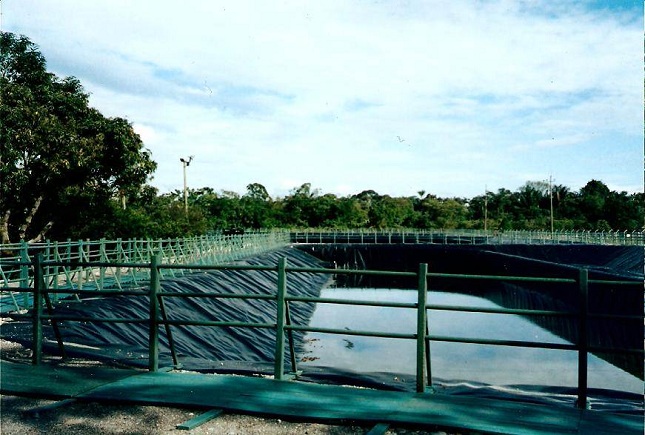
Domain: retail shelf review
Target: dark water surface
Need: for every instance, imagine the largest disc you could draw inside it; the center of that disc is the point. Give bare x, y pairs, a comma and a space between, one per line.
494, 365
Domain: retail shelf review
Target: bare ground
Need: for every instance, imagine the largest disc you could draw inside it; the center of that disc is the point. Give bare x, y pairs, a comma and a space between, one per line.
26, 416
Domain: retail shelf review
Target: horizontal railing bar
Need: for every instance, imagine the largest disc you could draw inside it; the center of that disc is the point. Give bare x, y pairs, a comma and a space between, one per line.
501, 310
502, 278
95, 264
323, 270
61, 317
349, 271
463, 340
98, 264
16, 263
350, 332
512, 343
111, 292
351, 302
216, 295
217, 267
435, 275
17, 290
216, 323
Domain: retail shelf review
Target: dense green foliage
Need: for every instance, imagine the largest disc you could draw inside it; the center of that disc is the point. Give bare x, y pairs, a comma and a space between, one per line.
61, 161
594, 207
66, 171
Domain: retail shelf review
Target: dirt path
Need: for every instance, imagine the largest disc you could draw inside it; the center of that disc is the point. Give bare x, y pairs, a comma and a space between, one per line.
20, 415
25, 416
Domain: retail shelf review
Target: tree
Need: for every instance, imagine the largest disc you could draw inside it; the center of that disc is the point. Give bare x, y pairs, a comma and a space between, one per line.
55, 149
533, 196
348, 213
388, 212
441, 213
592, 202
299, 206
257, 191
257, 208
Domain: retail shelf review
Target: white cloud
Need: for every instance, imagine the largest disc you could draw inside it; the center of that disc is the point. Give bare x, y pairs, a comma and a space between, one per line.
321, 92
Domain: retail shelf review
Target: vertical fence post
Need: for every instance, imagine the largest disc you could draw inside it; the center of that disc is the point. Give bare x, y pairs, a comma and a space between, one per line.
583, 285
292, 350
280, 319
47, 272
79, 269
120, 258
153, 344
104, 259
171, 340
24, 272
427, 342
55, 257
37, 354
67, 269
421, 326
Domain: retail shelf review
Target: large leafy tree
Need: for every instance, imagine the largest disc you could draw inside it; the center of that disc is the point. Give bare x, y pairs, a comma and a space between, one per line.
433, 212
60, 159
389, 212
301, 207
257, 208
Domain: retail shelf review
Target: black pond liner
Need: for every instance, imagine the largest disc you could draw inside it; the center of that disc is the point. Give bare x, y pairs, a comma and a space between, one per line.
197, 347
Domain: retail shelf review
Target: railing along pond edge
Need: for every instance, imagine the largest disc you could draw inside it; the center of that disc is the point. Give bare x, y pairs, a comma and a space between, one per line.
219, 248
157, 316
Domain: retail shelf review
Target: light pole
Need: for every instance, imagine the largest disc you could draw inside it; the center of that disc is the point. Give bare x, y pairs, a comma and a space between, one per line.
551, 201
486, 210
184, 163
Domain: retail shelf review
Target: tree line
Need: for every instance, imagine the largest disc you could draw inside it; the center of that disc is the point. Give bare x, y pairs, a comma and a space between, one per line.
67, 171
530, 207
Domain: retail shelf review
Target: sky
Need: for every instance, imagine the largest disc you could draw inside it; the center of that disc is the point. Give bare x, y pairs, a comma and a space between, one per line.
449, 97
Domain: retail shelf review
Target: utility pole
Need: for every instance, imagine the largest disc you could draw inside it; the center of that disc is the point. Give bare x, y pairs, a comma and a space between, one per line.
185, 163
485, 209
551, 200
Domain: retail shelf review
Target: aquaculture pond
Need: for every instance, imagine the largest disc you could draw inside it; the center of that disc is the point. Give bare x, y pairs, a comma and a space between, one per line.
451, 362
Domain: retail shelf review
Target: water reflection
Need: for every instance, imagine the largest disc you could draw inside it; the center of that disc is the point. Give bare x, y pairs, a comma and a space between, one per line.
497, 365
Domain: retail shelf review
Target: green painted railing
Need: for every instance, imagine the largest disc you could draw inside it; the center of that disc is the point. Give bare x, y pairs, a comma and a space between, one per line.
470, 237
221, 248
283, 326
74, 264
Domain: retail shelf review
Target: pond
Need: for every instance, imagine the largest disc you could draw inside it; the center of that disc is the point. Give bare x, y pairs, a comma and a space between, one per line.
451, 362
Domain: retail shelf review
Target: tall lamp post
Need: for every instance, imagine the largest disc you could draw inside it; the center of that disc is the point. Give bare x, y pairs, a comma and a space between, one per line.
486, 209
185, 163
551, 201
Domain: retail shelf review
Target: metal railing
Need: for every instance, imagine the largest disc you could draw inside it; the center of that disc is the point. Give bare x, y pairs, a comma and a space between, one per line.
222, 248
283, 327
470, 237
120, 261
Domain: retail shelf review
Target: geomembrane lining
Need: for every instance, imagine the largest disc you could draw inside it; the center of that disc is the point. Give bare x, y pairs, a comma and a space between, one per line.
201, 346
